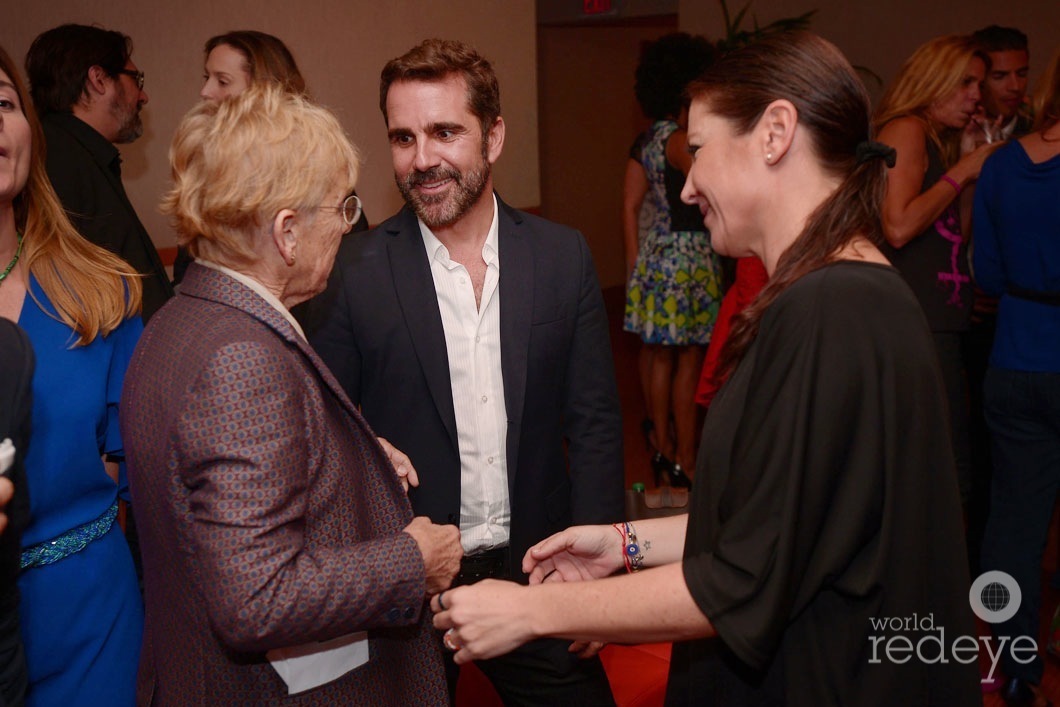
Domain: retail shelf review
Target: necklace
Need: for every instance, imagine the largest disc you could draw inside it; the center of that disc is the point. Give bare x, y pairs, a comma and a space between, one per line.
14, 261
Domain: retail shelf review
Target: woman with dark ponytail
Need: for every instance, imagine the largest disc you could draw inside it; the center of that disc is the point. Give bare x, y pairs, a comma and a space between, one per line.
825, 527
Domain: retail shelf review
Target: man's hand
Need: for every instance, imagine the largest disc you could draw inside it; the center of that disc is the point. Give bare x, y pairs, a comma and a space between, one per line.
402, 464
586, 649
441, 550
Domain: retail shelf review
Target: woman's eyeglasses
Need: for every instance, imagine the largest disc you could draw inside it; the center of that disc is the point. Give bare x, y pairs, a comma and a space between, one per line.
350, 209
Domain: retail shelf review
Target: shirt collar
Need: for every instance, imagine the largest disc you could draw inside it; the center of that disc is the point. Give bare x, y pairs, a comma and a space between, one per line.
260, 289
436, 250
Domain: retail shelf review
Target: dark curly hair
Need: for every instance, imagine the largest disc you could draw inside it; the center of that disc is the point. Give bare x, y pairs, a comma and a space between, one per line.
667, 66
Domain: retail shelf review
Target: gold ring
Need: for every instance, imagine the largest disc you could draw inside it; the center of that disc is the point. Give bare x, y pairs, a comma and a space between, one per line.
448, 642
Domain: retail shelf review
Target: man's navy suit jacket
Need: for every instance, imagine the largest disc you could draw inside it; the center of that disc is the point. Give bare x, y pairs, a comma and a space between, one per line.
379, 329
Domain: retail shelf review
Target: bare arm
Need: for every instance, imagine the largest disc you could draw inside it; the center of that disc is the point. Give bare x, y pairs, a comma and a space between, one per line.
594, 551
492, 618
634, 189
907, 211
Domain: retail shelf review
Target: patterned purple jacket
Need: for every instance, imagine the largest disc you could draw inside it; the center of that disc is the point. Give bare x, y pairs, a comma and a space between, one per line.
268, 514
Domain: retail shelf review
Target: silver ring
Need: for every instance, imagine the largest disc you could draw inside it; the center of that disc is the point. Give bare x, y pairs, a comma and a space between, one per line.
448, 642
441, 604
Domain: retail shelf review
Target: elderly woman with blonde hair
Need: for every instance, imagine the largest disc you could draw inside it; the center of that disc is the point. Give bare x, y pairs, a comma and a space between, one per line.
281, 558
234, 62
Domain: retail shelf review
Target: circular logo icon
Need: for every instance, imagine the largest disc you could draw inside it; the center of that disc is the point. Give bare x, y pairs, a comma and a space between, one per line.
995, 596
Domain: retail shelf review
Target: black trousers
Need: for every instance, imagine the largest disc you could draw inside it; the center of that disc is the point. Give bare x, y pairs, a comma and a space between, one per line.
1023, 411
977, 344
13, 676
951, 363
542, 672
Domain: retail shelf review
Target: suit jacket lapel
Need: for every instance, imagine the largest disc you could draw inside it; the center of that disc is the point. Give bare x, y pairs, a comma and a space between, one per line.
419, 304
517, 301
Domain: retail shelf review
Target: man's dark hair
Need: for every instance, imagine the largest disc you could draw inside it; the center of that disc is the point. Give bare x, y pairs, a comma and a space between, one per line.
1000, 39
58, 61
436, 60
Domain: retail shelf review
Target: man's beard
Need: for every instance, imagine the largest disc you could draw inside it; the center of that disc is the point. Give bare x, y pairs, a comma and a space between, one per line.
131, 126
441, 210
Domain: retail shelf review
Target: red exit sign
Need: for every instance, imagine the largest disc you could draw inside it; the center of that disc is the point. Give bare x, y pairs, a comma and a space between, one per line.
595, 7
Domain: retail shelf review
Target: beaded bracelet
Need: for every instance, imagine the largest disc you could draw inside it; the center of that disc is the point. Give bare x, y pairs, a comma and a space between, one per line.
951, 181
633, 556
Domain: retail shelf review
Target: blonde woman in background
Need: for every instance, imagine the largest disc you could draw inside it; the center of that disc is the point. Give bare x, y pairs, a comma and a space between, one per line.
924, 115
237, 60
81, 613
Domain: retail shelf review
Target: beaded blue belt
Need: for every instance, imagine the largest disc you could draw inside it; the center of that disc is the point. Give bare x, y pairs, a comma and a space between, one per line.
70, 542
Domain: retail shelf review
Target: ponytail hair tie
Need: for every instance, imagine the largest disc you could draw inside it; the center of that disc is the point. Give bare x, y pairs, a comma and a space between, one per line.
870, 149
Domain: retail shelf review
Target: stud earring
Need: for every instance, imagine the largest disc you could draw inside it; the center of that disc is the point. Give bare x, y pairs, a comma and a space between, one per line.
769, 157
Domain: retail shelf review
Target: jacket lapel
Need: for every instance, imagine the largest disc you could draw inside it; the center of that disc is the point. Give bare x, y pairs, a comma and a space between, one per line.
517, 301
418, 300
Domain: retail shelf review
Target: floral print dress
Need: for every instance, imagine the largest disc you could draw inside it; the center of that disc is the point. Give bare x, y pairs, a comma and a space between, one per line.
674, 292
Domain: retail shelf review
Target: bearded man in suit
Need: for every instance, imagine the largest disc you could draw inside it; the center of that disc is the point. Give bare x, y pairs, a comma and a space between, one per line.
474, 338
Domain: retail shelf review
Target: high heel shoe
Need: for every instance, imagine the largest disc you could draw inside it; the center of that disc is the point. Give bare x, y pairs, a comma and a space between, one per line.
672, 474
679, 479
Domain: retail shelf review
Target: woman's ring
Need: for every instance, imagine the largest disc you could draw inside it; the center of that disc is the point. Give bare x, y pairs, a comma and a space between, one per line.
449, 642
441, 604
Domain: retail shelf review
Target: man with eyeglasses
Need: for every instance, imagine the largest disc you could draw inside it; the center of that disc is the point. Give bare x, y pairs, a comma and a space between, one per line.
90, 94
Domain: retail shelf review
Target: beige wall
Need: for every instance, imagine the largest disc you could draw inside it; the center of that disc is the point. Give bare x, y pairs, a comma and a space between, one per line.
881, 34
589, 119
340, 45
587, 113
